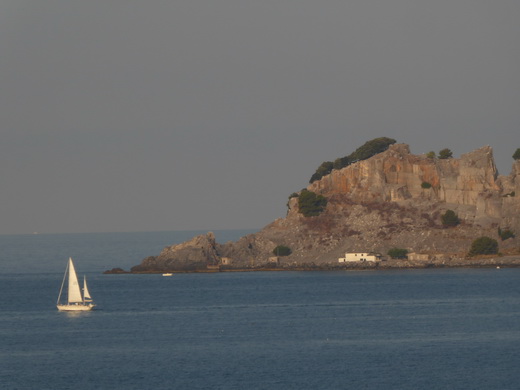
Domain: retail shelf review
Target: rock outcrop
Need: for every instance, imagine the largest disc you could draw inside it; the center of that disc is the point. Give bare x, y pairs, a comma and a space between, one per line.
192, 255
393, 199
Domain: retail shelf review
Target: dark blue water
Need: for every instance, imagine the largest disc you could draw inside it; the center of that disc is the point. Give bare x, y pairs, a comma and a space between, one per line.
412, 329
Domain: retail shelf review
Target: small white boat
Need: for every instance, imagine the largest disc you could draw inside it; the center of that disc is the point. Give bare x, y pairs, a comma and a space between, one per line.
76, 301
167, 274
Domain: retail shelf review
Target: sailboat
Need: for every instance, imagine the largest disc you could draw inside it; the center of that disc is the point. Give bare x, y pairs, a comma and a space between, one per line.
76, 301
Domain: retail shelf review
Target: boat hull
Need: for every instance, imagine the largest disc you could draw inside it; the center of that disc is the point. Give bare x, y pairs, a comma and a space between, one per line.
75, 307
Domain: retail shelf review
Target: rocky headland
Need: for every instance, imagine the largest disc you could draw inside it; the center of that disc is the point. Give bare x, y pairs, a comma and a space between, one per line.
394, 199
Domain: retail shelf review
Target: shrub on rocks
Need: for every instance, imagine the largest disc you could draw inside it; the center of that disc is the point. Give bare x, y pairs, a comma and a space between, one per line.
450, 219
398, 253
311, 204
483, 246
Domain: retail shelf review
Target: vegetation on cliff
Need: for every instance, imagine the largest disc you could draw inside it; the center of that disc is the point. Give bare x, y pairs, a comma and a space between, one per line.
367, 150
324, 169
282, 250
516, 155
311, 204
445, 154
450, 219
398, 253
483, 246
505, 234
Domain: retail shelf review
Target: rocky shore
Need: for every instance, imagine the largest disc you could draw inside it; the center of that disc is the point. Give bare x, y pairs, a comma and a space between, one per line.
494, 262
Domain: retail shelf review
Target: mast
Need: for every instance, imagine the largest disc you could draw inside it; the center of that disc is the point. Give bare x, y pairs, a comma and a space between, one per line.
62, 283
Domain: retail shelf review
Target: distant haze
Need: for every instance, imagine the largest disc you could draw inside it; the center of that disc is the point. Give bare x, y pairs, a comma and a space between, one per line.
180, 115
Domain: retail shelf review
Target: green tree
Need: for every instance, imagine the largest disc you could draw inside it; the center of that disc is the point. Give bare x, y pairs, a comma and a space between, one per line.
426, 185
310, 204
342, 162
430, 155
371, 148
324, 169
282, 250
450, 218
516, 156
445, 153
398, 253
483, 246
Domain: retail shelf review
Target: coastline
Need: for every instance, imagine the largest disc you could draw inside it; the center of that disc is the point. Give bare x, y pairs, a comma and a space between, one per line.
485, 262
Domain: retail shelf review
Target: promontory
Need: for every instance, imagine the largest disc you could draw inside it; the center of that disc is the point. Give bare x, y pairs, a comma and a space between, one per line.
380, 207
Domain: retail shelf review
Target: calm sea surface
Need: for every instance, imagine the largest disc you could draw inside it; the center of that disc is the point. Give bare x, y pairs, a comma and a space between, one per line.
410, 329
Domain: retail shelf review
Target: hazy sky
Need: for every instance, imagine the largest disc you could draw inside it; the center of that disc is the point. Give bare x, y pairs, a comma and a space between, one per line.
207, 114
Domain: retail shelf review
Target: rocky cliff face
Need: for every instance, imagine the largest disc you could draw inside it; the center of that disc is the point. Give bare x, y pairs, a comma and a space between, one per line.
397, 175
393, 199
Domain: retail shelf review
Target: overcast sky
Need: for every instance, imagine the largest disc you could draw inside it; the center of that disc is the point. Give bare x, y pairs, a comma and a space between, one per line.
207, 114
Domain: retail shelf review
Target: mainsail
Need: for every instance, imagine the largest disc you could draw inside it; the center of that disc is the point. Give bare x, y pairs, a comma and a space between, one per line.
74, 294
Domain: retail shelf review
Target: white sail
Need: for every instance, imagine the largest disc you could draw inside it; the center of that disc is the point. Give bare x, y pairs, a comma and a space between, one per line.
74, 294
86, 294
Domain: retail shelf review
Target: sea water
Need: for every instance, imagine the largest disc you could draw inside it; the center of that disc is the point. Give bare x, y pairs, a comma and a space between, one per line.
406, 329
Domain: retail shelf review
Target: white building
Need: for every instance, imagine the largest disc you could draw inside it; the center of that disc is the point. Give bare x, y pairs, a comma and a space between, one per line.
360, 257
225, 261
